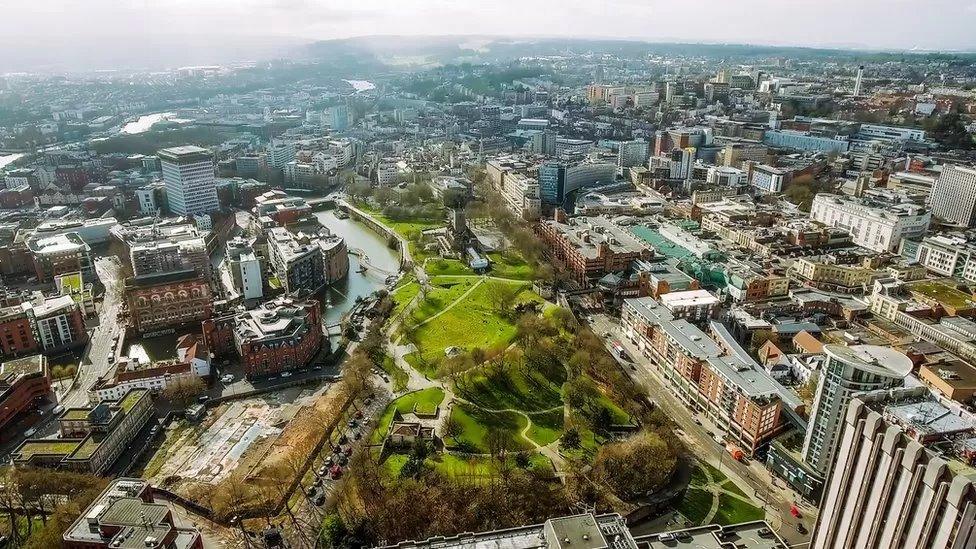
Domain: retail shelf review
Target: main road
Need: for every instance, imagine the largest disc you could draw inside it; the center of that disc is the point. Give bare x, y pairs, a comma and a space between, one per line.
94, 362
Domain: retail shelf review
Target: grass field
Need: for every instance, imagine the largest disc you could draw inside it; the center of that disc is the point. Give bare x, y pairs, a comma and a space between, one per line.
510, 264
476, 423
441, 266
443, 292
733, 511
473, 468
696, 504
397, 374
427, 398
471, 323
546, 427
512, 388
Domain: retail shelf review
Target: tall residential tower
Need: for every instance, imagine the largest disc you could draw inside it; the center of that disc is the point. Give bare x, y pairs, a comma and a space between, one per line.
188, 173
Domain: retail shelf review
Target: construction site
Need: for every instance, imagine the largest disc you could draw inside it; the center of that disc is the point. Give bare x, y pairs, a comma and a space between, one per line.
246, 452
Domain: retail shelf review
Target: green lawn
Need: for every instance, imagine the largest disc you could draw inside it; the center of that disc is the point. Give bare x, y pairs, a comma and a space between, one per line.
473, 468
427, 398
510, 264
620, 417
717, 476
476, 423
512, 387
695, 505
732, 487
443, 292
546, 427
402, 296
471, 323
734, 511
397, 374
441, 267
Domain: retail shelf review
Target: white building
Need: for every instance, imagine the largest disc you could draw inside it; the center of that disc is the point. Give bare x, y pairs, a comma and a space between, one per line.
768, 179
245, 269
692, 305
948, 255
953, 197
874, 225
280, 153
903, 475
632, 153
725, 176
847, 370
147, 201
522, 194
188, 173
386, 173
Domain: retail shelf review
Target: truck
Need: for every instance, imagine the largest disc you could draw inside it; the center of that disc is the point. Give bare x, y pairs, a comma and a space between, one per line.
734, 451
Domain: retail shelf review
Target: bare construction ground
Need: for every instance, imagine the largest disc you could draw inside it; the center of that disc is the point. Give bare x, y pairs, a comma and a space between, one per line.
245, 452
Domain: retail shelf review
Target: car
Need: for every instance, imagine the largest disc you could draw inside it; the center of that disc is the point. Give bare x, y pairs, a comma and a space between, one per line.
154, 430
765, 532
343, 438
352, 423
697, 421
368, 401
322, 471
316, 367
312, 493
111, 359
589, 319
801, 528
57, 409
359, 414
203, 398
30, 432
356, 435
667, 536
320, 500
317, 481
328, 461
286, 374
348, 451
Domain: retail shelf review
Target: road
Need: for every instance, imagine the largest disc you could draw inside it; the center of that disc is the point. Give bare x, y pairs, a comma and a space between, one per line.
95, 362
753, 478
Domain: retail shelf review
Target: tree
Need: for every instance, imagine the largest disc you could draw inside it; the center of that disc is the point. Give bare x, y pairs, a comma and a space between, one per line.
502, 296
451, 427
334, 531
184, 390
497, 442
637, 466
571, 438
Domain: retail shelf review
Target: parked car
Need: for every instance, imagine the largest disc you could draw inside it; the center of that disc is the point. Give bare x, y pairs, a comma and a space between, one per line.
285, 374
30, 432
322, 471
320, 500
58, 409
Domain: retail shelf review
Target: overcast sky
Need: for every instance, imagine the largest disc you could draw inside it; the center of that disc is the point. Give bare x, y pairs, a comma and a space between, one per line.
890, 24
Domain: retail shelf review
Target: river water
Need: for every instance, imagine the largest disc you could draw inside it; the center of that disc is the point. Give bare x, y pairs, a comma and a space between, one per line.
361, 85
7, 159
145, 122
342, 296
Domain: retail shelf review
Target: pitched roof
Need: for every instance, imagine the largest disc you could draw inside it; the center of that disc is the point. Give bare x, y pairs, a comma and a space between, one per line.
806, 342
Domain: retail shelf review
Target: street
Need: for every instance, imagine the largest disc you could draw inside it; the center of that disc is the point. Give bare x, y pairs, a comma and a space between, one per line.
697, 436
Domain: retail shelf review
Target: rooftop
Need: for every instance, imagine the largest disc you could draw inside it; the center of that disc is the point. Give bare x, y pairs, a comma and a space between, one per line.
688, 298
883, 361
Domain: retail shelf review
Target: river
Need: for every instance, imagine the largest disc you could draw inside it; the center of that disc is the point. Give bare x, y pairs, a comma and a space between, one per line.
361, 85
342, 296
7, 159
146, 121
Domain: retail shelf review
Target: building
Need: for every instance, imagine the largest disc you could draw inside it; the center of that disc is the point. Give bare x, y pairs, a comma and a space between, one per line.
188, 174
725, 176
588, 531
632, 153
559, 179
58, 322
953, 197
690, 305
848, 370
192, 362
590, 247
734, 154
952, 378
716, 378
90, 439
566, 147
339, 117
280, 153
876, 225
280, 335
125, 515
146, 198
17, 332
281, 207
161, 302
903, 475
803, 141
769, 179
245, 269
165, 256
302, 261
92, 231
948, 255
60, 254
23, 383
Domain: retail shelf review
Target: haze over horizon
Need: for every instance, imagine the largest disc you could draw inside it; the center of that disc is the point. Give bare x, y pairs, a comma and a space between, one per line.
106, 33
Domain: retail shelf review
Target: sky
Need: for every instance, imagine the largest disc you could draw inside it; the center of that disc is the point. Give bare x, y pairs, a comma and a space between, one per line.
50, 26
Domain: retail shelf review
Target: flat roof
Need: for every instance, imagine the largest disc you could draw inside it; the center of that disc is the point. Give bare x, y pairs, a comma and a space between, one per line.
884, 361
688, 298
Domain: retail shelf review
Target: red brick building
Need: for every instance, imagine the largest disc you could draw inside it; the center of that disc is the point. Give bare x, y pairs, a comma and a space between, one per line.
590, 247
22, 382
282, 334
162, 301
16, 332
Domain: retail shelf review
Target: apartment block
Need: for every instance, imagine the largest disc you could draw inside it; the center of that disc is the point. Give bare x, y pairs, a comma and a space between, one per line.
902, 476
876, 225
590, 247
22, 382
